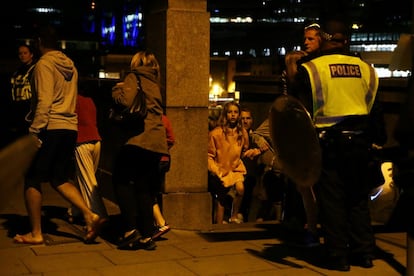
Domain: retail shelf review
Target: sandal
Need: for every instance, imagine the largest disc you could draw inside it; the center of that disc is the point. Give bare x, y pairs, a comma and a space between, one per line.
161, 230
140, 244
128, 241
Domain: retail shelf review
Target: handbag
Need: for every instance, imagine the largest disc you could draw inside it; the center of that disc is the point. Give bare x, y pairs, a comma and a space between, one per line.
136, 112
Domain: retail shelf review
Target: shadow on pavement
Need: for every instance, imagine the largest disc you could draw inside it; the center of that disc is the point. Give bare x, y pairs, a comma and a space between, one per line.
280, 251
54, 232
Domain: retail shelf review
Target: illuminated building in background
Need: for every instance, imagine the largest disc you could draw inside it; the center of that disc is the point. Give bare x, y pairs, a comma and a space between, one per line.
132, 25
239, 29
127, 24
267, 29
89, 29
261, 28
108, 29
116, 25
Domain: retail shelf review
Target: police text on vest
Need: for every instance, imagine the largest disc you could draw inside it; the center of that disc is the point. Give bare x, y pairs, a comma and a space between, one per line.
345, 71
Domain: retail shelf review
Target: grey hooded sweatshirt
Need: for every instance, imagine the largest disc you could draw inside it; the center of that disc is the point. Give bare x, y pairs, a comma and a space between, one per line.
55, 88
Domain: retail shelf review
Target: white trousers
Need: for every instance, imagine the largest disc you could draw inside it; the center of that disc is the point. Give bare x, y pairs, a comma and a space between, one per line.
87, 161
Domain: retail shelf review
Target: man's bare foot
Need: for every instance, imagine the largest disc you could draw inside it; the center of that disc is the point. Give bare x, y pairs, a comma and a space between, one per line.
28, 239
93, 227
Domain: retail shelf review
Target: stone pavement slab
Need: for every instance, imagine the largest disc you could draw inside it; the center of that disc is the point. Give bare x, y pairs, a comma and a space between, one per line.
247, 249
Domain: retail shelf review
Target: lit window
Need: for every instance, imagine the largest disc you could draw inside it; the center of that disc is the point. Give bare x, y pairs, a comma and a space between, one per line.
252, 52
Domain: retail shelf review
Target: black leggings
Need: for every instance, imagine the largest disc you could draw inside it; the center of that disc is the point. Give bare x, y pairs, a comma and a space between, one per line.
136, 183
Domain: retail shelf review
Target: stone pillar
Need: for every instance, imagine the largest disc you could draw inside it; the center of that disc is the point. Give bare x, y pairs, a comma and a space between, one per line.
178, 32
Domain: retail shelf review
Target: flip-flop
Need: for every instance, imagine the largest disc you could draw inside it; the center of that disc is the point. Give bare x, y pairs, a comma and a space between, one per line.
161, 230
95, 229
22, 240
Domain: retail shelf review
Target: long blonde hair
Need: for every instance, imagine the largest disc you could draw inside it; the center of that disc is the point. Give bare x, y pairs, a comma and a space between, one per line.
146, 59
224, 124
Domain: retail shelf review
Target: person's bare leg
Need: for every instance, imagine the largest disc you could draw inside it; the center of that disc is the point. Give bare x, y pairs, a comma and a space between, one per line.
219, 213
158, 217
237, 201
72, 194
236, 206
161, 224
33, 202
93, 221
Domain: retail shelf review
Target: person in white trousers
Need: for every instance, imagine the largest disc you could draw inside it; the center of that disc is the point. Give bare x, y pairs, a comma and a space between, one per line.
88, 151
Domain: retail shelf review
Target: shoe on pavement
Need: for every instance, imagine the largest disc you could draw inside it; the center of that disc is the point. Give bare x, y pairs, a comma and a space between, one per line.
339, 263
148, 245
305, 240
310, 239
235, 221
364, 261
127, 242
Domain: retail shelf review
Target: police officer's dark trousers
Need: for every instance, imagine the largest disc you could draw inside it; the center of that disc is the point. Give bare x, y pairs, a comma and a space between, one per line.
343, 194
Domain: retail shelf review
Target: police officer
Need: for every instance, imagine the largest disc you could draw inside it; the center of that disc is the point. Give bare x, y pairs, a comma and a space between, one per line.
339, 91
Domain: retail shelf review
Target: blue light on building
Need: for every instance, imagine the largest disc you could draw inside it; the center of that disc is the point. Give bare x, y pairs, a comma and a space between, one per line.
131, 24
108, 31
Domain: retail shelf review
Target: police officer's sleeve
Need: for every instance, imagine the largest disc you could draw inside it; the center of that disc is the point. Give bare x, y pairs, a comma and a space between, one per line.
301, 89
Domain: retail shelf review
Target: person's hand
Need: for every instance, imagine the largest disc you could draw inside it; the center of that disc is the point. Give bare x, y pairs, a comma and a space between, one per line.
231, 179
227, 180
261, 142
376, 147
37, 140
252, 153
118, 85
117, 92
222, 173
263, 145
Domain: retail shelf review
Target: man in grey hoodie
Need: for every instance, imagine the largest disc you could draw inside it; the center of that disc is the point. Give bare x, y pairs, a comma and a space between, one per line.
54, 122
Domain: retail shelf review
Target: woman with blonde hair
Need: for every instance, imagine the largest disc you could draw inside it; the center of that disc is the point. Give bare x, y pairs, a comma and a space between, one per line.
136, 174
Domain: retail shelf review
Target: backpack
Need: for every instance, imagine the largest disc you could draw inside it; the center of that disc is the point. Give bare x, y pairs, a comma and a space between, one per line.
126, 113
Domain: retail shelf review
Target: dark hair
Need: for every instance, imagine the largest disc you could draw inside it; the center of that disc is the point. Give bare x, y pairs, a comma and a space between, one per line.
47, 36
245, 109
334, 26
29, 47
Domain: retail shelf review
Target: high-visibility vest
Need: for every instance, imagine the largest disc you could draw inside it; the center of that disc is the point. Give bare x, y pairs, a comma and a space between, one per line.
342, 85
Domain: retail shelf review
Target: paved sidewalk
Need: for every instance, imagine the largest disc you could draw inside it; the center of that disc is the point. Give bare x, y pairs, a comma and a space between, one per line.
247, 249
